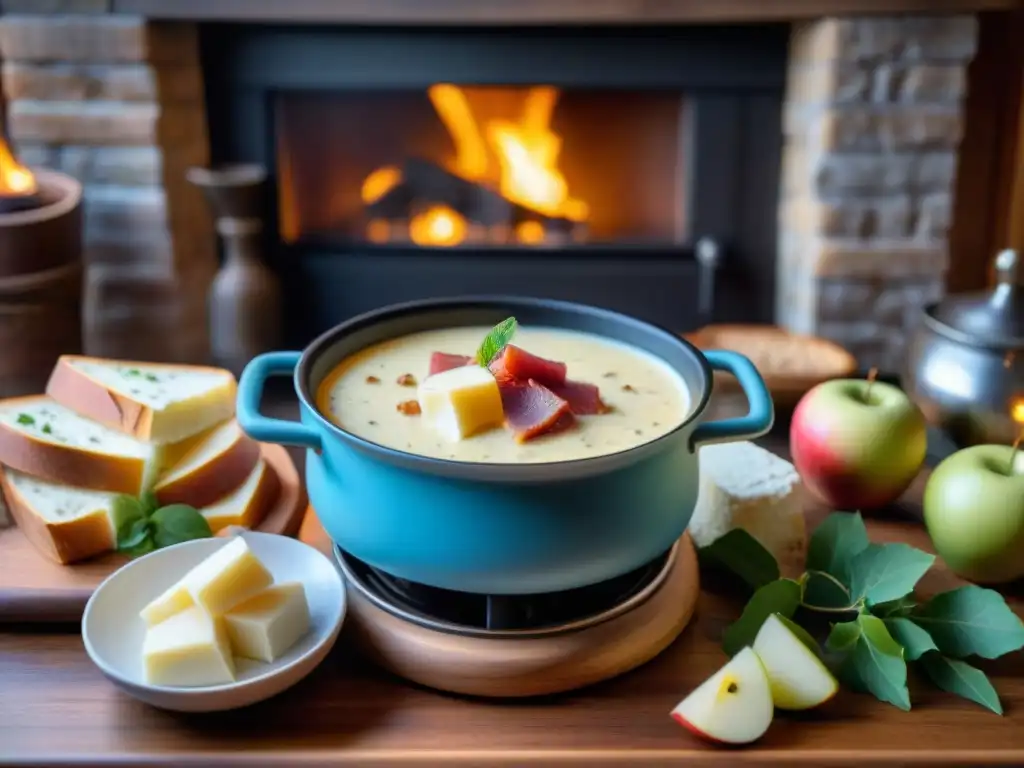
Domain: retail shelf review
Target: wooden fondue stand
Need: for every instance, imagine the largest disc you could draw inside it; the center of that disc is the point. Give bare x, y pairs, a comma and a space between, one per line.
57, 709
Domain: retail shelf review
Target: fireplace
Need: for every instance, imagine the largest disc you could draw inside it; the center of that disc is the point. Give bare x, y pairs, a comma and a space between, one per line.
636, 169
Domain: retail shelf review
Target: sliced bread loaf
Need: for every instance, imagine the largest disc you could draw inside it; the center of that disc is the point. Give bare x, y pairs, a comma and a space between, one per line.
157, 403
248, 504
42, 438
213, 468
65, 524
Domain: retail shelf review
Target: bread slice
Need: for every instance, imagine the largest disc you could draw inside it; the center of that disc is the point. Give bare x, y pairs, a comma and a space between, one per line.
41, 437
149, 401
65, 524
247, 505
211, 469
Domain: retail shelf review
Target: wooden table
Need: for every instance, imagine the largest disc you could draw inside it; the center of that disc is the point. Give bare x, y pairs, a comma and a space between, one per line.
56, 709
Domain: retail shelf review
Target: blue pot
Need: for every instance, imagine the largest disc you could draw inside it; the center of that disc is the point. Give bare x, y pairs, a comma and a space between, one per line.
500, 528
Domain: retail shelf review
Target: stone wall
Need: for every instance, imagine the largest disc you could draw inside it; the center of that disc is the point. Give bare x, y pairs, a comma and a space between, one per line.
117, 102
872, 123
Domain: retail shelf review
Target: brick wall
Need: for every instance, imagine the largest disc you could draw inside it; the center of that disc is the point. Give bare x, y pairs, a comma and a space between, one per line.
872, 123
117, 102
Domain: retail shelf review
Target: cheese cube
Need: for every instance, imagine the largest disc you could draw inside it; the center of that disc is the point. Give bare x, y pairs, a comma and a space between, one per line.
189, 649
461, 402
745, 486
219, 583
264, 627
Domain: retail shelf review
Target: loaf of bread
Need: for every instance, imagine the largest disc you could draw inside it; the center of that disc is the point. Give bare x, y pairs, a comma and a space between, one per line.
42, 438
213, 468
156, 403
247, 505
745, 486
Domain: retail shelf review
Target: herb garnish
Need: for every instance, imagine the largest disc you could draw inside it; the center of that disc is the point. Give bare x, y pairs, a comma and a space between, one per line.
495, 341
870, 589
24, 418
142, 525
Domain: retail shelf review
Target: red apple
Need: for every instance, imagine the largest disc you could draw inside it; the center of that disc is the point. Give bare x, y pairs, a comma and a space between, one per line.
857, 444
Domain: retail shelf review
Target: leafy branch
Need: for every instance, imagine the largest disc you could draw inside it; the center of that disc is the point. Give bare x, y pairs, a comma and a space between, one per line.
870, 588
142, 525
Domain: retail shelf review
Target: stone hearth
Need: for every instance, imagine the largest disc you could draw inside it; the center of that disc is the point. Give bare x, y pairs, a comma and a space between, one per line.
873, 119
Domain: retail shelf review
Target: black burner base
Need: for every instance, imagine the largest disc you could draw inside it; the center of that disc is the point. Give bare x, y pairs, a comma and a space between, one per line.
503, 612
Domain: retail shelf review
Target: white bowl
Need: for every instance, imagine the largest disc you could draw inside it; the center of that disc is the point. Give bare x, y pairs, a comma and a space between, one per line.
113, 630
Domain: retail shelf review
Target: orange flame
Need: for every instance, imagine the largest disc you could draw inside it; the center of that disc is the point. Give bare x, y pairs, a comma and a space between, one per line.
1017, 410
527, 153
15, 179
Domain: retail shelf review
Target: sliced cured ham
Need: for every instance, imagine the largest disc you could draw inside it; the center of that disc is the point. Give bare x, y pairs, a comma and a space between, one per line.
442, 361
516, 364
584, 399
531, 409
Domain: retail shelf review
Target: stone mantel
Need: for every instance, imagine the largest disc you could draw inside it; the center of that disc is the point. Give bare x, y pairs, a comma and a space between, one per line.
485, 12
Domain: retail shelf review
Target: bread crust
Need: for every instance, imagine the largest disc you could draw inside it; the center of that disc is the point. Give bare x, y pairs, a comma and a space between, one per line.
261, 501
63, 542
73, 388
214, 479
66, 464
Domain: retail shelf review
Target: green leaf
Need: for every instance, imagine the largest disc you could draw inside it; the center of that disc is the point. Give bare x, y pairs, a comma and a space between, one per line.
892, 608
820, 591
884, 572
781, 596
176, 523
136, 533
25, 418
125, 511
149, 503
961, 678
877, 662
834, 544
740, 553
843, 636
916, 642
971, 621
496, 340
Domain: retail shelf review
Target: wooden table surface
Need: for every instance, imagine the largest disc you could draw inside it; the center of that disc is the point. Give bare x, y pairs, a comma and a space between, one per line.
57, 709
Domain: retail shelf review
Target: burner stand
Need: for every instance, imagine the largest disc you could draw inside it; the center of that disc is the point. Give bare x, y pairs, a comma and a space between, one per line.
503, 663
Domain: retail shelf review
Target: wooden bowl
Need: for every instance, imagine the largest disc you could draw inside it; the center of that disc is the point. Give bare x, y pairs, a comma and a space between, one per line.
791, 364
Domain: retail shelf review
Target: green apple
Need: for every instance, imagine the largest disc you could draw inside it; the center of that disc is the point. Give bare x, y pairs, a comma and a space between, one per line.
974, 512
798, 678
857, 444
733, 706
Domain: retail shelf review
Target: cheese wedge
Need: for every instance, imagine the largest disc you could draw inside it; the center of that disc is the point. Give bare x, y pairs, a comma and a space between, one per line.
745, 486
220, 582
247, 505
149, 401
190, 649
65, 524
266, 626
41, 437
461, 402
213, 468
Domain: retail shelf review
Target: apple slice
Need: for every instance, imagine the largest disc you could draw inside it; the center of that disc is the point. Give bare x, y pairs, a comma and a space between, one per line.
733, 706
798, 678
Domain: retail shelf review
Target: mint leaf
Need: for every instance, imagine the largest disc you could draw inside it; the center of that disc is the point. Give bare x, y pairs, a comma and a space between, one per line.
891, 608
740, 553
149, 503
961, 678
781, 596
137, 538
125, 512
884, 572
916, 642
971, 621
176, 523
843, 636
496, 340
877, 662
834, 544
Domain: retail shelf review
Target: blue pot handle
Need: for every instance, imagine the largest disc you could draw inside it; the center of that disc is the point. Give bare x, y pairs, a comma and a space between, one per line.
250, 391
762, 412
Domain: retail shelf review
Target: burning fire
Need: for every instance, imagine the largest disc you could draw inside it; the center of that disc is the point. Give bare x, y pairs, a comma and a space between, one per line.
1017, 410
527, 157
15, 179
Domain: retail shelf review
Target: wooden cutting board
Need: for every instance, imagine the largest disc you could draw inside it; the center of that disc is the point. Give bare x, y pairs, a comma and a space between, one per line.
35, 589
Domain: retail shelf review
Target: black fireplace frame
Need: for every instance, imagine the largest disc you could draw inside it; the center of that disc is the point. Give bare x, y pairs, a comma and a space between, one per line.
732, 80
